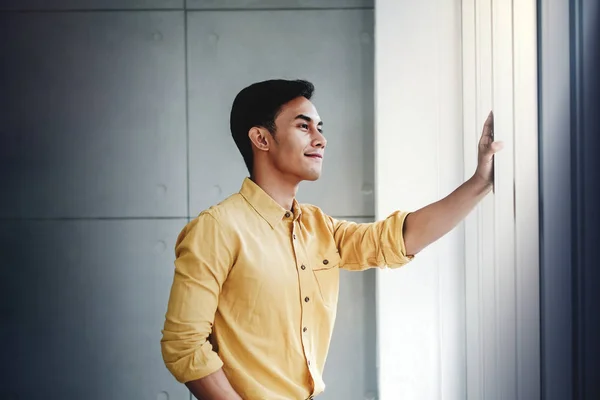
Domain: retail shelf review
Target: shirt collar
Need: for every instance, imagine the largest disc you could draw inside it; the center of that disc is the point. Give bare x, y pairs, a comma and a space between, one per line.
264, 204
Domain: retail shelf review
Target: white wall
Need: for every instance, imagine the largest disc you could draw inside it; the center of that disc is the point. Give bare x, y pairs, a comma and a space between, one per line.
419, 159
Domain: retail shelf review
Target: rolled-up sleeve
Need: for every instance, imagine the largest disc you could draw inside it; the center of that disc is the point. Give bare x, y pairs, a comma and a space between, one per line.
376, 244
203, 260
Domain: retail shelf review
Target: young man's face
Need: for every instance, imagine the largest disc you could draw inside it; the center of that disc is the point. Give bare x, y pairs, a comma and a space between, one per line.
298, 147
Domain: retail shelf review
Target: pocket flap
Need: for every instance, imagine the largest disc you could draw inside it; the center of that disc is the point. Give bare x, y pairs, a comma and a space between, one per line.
327, 261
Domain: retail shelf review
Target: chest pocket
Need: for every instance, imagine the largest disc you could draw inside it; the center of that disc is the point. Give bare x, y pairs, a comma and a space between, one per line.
327, 274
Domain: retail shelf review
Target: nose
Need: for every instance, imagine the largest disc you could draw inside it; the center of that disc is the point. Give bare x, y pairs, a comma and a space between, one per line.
319, 140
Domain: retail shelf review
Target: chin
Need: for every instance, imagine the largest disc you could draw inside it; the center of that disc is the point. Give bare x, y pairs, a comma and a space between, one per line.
312, 176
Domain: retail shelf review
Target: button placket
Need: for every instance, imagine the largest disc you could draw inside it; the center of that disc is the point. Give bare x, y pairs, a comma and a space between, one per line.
306, 290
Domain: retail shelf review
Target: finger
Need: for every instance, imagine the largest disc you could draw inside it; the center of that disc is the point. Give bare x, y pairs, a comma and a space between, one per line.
488, 126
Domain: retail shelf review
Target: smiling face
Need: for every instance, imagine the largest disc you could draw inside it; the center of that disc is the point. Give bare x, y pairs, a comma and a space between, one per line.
297, 148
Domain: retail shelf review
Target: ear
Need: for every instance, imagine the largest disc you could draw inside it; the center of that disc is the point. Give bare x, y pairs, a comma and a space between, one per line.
260, 138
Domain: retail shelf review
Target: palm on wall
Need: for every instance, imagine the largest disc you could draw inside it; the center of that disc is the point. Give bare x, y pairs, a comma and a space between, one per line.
486, 150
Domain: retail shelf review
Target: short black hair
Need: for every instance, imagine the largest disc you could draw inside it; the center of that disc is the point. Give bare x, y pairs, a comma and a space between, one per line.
258, 105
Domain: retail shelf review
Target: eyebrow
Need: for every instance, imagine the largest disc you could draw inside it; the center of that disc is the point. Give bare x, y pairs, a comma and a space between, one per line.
307, 119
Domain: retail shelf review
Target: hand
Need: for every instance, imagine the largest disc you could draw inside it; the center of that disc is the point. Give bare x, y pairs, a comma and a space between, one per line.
486, 150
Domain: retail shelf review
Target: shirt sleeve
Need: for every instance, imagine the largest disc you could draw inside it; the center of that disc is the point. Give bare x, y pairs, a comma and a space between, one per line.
368, 245
203, 258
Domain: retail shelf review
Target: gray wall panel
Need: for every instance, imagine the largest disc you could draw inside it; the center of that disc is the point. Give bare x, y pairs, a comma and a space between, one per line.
350, 372
89, 4
93, 124
332, 48
277, 4
92, 114
83, 305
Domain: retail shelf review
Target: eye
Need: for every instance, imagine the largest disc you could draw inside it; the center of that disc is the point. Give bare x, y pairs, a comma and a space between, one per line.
304, 126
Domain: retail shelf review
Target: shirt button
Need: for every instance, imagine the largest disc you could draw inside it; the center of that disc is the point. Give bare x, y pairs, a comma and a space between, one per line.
309, 363
303, 267
306, 299
294, 236
325, 262
287, 214
304, 329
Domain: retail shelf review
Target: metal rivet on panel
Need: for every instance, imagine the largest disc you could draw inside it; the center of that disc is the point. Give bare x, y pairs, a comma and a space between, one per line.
367, 189
365, 38
161, 189
160, 246
213, 38
162, 396
157, 36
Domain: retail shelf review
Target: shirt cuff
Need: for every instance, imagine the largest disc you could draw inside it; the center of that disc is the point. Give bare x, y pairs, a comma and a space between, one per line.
392, 241
199, 364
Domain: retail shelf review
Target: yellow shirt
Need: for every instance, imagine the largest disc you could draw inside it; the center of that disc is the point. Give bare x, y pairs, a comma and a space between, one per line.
263, 283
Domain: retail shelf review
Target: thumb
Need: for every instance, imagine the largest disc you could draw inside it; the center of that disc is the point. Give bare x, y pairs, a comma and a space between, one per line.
497, 146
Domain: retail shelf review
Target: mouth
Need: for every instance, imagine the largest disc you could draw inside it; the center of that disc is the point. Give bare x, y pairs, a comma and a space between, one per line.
314, 156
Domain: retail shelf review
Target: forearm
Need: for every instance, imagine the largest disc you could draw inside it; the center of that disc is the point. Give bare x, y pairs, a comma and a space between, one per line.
430, 223
215, 386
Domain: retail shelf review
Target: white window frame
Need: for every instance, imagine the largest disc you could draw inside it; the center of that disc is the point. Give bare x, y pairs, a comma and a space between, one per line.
502, 235
416, 160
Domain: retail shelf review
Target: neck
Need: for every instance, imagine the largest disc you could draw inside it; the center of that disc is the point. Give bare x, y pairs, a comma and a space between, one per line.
282, 190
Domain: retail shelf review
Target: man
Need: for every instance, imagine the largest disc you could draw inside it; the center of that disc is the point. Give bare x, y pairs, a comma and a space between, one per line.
255, 291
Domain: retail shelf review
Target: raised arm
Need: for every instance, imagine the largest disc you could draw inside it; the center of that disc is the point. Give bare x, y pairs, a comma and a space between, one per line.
203, 260
430, 223
394, 240
368, 245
